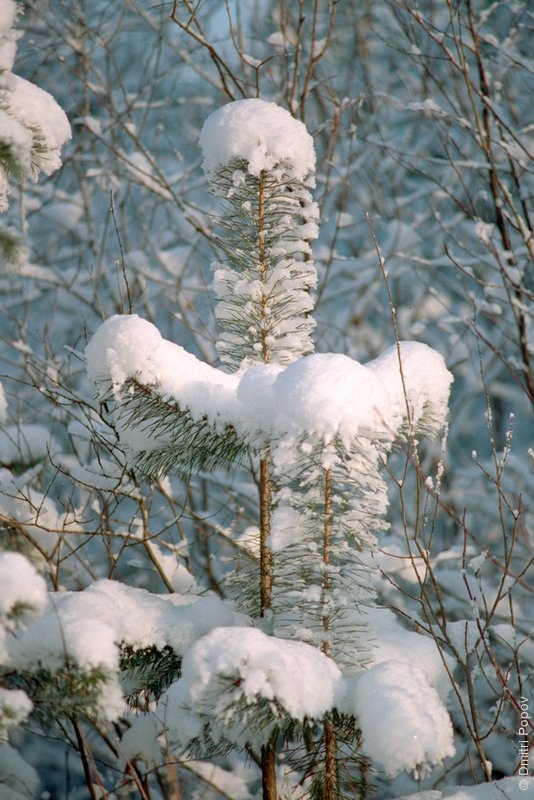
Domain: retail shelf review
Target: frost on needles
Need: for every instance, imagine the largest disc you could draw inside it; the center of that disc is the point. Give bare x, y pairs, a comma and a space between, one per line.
260, 161
322, 425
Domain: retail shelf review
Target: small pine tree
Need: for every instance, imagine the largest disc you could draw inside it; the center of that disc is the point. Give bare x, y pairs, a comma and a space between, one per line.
320, 426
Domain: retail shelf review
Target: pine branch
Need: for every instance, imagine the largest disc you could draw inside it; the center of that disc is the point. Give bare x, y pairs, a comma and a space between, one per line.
177, 440
66, 693
147, 673
263, 287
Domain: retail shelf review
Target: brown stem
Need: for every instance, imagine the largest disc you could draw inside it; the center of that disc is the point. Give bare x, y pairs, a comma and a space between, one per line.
329, 734
262, 258
485, 139
326, 554
268, 765
265, 529
84, 758
329, 760
268, 773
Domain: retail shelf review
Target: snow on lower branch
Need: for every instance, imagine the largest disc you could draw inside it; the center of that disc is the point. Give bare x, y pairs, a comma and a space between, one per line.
82, 631
404, 723
244, 683
33, 127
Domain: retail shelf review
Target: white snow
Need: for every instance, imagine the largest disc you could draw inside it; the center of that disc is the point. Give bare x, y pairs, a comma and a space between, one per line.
33, 127
392, 642
420, 381
225, 782
23, 589
141, 740
181, 723
8, 12
64, 635
298, 676
505, 789
18, 140
277, 40
15, 706
87, 627
8, 37
464, 636
39, 113
324, 394
329, 394
244, 667
262, 134
404, 723
131, 615
126, 346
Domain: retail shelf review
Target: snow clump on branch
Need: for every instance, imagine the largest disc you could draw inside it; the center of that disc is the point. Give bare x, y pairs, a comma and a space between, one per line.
262, 134
33, 127
326, 394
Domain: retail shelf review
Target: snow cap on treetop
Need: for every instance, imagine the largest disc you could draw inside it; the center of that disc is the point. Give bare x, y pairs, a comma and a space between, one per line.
262, 134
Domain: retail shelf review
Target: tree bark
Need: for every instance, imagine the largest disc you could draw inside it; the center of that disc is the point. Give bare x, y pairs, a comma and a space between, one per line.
268, 772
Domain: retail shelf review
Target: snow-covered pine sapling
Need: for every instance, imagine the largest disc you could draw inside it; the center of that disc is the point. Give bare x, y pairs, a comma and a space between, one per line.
332, 424
321, 424
260, 162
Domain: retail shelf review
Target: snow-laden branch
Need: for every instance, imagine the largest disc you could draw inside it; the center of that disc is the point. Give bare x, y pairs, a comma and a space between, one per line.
33, 127
260, 163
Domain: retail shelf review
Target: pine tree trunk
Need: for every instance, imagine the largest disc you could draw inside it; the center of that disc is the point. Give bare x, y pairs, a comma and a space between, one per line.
329, 734
268, 773
268, 764
329, 760
265, 528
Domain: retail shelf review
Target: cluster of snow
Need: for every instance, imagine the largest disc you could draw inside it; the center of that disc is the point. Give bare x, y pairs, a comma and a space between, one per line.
329, 394
417, 380
15, 707
260, 133
87, 628
396, 709
232, 673
23, 596
23, 589
33, 127
8, 36
127, 347
229, 674
236, 679
324, 394
400, 698
264, 286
